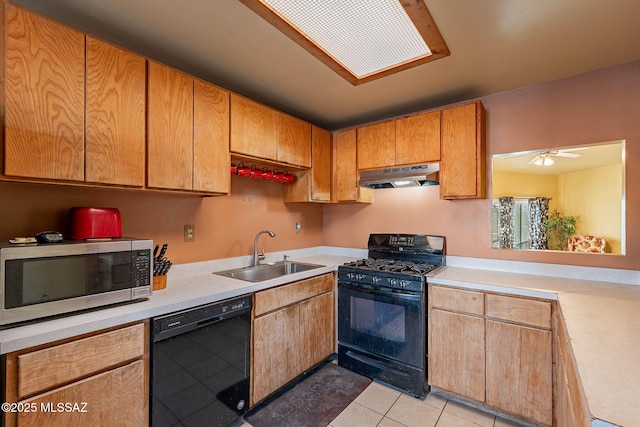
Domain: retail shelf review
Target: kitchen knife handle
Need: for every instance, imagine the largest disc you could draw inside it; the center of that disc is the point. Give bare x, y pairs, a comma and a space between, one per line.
162, 251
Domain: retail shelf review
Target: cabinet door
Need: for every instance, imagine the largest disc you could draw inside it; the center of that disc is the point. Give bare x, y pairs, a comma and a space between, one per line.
457, 354
317, 329
44, 122
418, 139
253, 128
314, 185
211, 159
345, 179
320, 164
376, 145
113, 398
294, 141
276, 345
519, 370
115, 115
462, 166
170, 135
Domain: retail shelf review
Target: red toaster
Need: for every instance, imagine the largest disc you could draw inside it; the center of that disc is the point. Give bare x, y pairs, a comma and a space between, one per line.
94, 223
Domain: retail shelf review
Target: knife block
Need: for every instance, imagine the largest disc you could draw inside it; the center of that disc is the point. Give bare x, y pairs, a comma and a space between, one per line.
159, 282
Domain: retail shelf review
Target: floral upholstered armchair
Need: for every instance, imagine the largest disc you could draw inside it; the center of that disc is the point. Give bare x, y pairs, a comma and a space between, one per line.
587, 244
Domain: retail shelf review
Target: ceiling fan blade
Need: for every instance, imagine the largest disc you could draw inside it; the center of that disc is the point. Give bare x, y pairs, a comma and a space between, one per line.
573, 149
570, 155
535, 158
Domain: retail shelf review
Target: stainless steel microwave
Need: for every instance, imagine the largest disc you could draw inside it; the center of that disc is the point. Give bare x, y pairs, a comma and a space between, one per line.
41, 280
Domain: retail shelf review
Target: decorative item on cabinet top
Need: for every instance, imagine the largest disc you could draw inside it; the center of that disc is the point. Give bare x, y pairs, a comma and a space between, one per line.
264, 174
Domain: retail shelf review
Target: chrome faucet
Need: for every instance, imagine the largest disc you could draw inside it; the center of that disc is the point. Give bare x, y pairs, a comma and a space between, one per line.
256, 256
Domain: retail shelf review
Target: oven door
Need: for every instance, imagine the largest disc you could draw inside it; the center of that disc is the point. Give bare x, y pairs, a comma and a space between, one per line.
383, 322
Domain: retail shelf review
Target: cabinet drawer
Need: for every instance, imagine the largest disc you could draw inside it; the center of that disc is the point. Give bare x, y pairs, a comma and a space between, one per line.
113, 398
50, 367
282, 296
519, 310
457, 300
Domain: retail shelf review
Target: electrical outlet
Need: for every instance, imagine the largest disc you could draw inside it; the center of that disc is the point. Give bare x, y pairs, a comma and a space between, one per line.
298, 227
189, 233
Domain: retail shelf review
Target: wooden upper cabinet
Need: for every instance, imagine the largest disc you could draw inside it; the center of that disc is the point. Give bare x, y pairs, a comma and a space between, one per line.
211, 157
345, 172
294, 141
170, 128
462, 166
418, 139
44, 101
314, 185
115, 115
253, 129
376, 145
320, 164
345, 179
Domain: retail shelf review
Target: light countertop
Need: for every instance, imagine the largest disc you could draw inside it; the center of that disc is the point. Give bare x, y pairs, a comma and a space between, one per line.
603, 323
188, 286
602, 318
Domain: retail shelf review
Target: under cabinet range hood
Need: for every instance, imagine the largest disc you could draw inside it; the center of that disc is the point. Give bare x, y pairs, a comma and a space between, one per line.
406, 176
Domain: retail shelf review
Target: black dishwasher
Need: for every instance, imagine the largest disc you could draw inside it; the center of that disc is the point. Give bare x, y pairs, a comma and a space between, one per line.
200, 364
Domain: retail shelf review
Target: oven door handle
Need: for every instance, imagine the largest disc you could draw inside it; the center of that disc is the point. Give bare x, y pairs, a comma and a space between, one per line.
377, 291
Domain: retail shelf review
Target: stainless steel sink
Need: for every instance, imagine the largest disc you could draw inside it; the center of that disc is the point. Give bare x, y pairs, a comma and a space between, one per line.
264, 272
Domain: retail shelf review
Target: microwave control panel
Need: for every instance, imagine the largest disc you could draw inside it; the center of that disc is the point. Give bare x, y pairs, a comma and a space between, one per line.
141, 266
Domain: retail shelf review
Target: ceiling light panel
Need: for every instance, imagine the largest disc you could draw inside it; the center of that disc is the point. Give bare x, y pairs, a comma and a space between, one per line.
365, 37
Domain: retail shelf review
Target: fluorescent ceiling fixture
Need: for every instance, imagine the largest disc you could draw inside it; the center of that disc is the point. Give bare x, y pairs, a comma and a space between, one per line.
360, 40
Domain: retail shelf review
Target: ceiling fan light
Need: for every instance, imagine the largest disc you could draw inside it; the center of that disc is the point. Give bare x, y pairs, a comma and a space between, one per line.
547, 161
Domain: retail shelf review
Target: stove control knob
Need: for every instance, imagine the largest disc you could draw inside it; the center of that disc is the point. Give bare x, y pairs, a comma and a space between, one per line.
375, 280
403, 284
393, 282
360, 276
350, 276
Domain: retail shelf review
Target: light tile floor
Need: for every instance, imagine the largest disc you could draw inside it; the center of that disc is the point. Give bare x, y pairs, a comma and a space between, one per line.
380, 406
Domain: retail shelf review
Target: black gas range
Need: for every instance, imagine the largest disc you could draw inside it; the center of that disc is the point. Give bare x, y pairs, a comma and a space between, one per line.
381, 309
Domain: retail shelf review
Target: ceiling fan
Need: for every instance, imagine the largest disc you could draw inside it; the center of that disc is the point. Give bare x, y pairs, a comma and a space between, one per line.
544, 158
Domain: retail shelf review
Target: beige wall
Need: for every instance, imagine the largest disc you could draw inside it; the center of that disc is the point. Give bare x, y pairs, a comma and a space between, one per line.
591, 108
525, 185
595, 196
225, 225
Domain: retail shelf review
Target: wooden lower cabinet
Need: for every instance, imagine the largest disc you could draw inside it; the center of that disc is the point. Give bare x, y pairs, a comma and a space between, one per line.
95, 380
457, 354
570, 403
293, 330
316, 335
276, 344
519, 370
494, 349
113, 398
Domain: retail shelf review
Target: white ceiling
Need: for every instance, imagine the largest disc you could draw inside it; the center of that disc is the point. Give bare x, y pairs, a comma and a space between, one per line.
589, 157
496, 45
